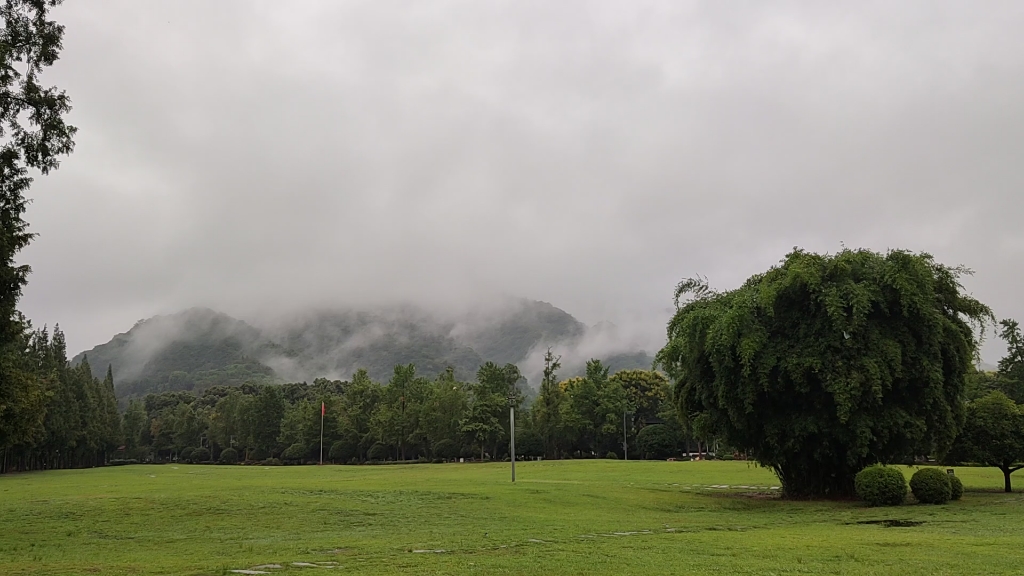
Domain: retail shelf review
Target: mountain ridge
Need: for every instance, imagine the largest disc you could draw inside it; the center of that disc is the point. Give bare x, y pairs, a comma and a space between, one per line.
198, 348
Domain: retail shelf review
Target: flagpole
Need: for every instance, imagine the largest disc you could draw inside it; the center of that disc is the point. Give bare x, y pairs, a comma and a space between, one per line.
323, 409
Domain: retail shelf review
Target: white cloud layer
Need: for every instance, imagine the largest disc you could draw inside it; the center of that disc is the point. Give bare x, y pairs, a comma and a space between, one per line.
255, 156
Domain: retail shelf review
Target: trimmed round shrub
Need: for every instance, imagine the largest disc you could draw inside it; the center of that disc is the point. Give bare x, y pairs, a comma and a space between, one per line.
956, 488
186, 454
340, 451
931, 486
229, 456
446, 448
294, 453
881, 486
258, 454
201, 455
272, 462
378, 452
656, 441
611, 456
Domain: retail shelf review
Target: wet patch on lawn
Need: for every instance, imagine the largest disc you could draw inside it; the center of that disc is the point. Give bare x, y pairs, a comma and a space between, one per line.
893, 523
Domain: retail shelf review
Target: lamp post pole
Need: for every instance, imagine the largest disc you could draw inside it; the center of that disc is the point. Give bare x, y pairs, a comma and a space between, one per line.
512, 430
625, 443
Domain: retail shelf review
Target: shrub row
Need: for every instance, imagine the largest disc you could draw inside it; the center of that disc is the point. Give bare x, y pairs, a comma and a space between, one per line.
885, 486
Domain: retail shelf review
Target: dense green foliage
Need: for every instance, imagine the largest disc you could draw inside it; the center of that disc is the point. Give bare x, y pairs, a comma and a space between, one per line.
993, 434
956, 488
74, 424
931, 486
593, 517
1009, 378
34, 136
656, 441
826, 364
228, 456
881, 486
408, 418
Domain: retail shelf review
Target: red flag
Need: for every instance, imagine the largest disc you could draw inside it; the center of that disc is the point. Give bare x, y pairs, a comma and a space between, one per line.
323, 409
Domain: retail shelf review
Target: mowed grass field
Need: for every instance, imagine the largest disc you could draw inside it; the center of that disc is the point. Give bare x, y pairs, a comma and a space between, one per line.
567, 517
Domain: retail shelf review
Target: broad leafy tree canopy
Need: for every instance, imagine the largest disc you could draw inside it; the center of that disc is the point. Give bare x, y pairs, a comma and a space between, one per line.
827, 363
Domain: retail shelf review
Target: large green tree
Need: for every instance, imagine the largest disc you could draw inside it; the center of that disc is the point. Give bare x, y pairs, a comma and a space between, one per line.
825, 364
993, 435
547, 409
1010, 376
593, 414
33, 136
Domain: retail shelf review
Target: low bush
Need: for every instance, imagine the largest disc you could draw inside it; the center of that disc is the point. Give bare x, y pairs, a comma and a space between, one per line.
881, 486
228, 456
656, 441
378, 452
122, 462
200, 455
931, 486
345, 449
294, 453
272, 462
956, 488
186, 454
611, 456
446, 449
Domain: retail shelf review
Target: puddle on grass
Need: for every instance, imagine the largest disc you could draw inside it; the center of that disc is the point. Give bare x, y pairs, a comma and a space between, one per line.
278, 568
892, 523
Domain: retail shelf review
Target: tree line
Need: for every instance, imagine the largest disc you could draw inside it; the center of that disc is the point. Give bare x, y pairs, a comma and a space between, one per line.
70, 419
34, 136
410, 417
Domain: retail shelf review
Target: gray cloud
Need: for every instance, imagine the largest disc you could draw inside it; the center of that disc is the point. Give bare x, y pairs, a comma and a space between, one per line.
252, 156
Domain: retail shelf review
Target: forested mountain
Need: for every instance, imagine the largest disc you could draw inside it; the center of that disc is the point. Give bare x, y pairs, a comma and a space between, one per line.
200, 348
194, 349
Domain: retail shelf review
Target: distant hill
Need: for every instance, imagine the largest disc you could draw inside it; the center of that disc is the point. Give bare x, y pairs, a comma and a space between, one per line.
199, 348
337, 343
508, 335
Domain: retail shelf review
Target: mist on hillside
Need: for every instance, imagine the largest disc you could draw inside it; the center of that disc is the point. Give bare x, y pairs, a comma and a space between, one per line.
198, 348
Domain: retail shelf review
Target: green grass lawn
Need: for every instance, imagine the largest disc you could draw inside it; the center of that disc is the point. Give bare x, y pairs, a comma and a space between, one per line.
569, 517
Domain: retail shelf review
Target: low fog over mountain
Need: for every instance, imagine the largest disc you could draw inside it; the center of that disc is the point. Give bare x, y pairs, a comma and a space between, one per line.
199, 347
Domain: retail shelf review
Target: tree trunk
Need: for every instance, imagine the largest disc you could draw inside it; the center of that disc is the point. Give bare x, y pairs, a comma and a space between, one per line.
1007, 470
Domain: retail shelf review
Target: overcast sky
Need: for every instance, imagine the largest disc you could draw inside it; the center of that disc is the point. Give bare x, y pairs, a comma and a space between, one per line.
251, 156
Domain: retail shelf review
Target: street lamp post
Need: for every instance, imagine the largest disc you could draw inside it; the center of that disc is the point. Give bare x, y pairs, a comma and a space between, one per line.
512, 430
625, 443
